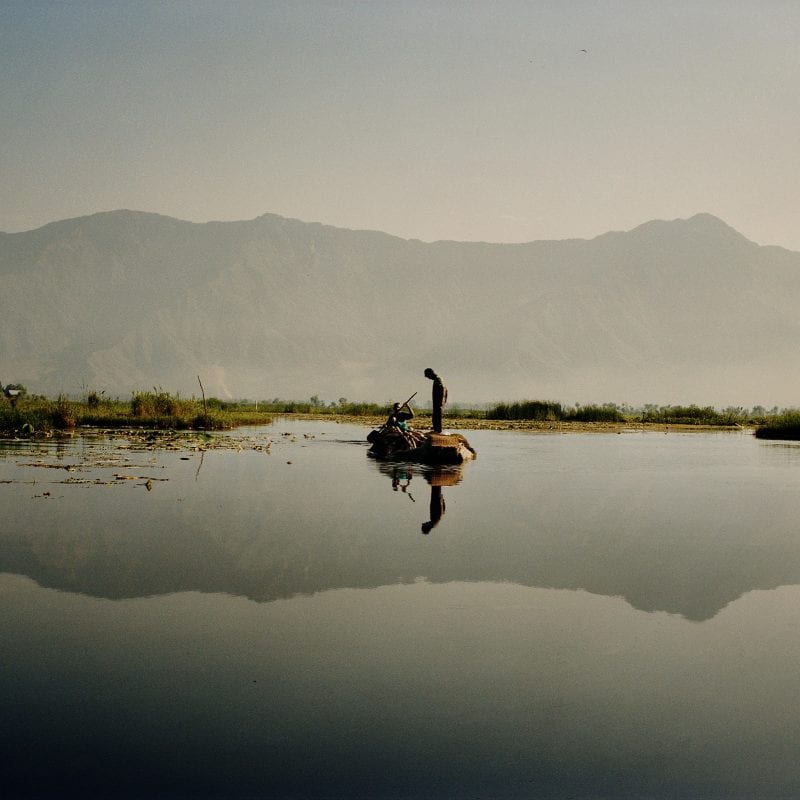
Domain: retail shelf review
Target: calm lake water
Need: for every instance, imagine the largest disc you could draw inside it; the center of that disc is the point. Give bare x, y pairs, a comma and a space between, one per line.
569, 616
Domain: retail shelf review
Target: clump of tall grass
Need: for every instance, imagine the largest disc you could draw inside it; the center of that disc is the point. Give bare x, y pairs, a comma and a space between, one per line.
157, 403
548, 411
595, 413
26, 421
782, 426
94, 398
63, 414
529, 410
160, 409
38, 415
693, 415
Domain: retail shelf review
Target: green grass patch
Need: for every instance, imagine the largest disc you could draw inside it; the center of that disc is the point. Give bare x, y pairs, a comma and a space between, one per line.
548, 411
594, 413
694, 415
783, 426
156, 410
527, 410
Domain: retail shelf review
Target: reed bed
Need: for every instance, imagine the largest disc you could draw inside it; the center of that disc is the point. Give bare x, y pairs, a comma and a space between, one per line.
783, 426
158, 409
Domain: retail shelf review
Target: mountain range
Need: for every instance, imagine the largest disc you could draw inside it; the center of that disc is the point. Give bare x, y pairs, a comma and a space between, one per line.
678, 311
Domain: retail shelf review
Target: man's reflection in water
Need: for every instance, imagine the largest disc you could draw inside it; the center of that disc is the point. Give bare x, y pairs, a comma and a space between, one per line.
400, 474
437, 479
436, 509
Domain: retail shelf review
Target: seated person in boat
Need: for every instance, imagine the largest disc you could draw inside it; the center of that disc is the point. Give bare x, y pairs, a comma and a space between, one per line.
399, 416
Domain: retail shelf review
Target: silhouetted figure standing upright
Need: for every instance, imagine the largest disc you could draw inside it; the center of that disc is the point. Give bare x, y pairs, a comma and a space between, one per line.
439, 398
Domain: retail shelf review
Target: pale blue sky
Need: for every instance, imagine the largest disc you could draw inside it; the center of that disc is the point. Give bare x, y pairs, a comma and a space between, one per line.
430, 120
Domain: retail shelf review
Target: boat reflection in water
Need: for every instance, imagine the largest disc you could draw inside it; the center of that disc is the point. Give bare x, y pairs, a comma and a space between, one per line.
437, 477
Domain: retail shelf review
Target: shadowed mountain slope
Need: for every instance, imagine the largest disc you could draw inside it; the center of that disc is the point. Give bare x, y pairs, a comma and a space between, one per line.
681, 311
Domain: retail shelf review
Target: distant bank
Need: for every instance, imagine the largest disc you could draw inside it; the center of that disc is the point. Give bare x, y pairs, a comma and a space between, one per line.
35, 415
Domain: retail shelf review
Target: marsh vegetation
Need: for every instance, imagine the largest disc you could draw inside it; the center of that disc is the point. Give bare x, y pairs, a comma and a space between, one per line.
161, 410
785, 425
156, 409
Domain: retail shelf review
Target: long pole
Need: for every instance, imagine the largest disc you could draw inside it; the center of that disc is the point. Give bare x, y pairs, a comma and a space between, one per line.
205, 410
409, 400
401, 405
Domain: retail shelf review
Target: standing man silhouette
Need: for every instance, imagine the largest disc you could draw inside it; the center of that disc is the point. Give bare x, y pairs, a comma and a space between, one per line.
439, 398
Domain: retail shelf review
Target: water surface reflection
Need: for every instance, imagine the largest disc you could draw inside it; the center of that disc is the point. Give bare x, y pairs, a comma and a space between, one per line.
419, 691
589, 616
683, 524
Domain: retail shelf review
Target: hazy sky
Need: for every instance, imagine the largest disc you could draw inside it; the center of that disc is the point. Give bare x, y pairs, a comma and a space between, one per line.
498, 121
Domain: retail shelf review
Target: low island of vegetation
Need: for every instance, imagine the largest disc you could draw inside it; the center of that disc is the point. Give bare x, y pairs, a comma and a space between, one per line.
785, 425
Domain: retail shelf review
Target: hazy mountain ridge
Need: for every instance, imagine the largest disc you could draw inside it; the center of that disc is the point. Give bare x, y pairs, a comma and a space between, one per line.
680, 311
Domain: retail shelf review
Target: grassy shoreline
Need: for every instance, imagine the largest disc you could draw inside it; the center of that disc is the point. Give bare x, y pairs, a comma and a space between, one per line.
158, 410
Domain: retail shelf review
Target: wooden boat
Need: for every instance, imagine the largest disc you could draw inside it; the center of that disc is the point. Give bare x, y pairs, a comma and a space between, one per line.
393, 444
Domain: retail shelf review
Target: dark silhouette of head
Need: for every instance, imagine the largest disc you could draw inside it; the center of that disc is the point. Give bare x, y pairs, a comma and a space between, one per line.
429, 373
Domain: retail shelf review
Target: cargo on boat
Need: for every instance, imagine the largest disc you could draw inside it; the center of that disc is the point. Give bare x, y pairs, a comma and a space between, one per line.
393, 444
